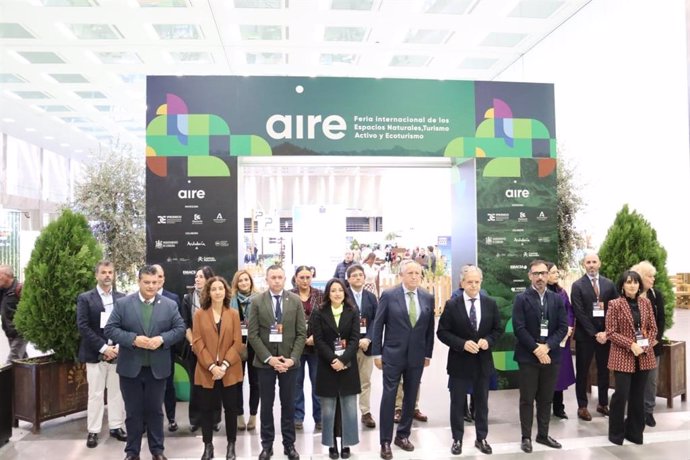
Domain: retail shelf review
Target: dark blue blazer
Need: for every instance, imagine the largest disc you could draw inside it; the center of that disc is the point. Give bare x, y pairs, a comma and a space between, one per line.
527, 324
403, 346
89, 309
172, 296
125, 324
368, 311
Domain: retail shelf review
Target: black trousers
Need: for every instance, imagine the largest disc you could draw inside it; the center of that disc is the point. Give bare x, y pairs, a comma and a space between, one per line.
267, 388
170, 399
459, 388
194, 396
143, 398
254, 396
629, 391
537, 382
211, 398
412, 377
558, 406
584, 351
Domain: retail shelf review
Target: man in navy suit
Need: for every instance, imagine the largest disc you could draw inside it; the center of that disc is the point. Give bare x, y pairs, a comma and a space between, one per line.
470, 325
540, 323
405, 316
145, 325
100, 355
367, 303
170, 401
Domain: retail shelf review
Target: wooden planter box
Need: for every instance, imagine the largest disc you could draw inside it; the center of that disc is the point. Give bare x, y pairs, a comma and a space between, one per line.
6, 416
46, 389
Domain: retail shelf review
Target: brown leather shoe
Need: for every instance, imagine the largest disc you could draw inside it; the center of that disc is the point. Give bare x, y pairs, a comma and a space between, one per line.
159, 457
368, 420
603, 410
584, 414
397, 416
404, 444
419, 416
386, 452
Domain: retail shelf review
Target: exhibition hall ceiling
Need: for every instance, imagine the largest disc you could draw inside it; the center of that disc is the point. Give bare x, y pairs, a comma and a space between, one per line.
73, 72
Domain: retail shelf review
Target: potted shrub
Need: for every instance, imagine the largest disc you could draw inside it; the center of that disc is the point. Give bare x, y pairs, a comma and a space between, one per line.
60, 267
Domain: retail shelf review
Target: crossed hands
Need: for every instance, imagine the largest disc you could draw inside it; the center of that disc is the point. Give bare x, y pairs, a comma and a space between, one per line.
473, 347
337, 365
217, 373
542, 353
149, 343
110, 353
280, 363
364, 344
601, 337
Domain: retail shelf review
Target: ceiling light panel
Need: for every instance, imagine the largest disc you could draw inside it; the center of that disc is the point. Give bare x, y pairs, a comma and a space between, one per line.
535, 9
54, 108
257, 32
32, 95
11, 78
196, 57
95, 31
68, 78
503, 40
103, 108
70, 3
41, 57
118, 57
427, 36
90, 94
266, 58
344, 34
447, 6
75, 120
266, 4
407, 60
164, 3
14, 30
358, 5
337, 58
477, 63
178, 31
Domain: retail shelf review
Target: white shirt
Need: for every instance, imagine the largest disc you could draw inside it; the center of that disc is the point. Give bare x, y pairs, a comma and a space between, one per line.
477, 307
107, 299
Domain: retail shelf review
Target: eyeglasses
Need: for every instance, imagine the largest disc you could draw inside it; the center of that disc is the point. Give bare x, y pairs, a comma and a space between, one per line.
539, 273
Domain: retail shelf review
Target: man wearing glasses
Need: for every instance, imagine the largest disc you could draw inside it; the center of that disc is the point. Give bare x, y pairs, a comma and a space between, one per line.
540, 324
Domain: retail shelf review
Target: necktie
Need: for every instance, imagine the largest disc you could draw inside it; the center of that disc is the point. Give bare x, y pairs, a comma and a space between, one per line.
473, 315
279, 312
358, 298
412, 309
595, 285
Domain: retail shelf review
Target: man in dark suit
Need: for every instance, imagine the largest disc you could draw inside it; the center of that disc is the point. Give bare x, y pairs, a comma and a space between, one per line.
170, 400
406, 316
590, 296
277, 331
540, 323
366, 303
145, 325
470, 325
100, 355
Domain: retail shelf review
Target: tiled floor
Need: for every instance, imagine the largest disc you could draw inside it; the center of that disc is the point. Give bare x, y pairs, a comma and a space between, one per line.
669, 440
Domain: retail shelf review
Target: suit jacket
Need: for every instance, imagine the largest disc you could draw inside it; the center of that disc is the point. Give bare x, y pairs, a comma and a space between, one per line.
330, 383
125, 324
261, 319
89, 309
620, 330
527, 324
404, 345
368, 311
582, 297
172, 296
212, 347
454, 329
657, 301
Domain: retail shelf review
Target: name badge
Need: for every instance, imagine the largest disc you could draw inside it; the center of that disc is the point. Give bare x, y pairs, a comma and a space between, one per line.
641, 339
544, 328
598, 309
276, 333
104, 318
245, 330
339, 346
362, 325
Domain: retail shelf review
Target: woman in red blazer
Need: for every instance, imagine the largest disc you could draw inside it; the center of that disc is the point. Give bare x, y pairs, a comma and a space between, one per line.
631, 328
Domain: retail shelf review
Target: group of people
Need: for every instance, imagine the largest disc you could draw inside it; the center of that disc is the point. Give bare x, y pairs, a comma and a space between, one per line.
226, 332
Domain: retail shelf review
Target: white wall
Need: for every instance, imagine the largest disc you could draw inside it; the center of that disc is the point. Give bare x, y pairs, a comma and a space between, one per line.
620, 75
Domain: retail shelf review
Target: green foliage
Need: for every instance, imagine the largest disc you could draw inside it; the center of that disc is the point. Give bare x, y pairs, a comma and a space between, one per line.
60, 267
569, 204
112, 197
630, 240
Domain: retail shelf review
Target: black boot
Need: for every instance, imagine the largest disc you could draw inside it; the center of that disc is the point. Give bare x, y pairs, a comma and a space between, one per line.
231, 451
208, 451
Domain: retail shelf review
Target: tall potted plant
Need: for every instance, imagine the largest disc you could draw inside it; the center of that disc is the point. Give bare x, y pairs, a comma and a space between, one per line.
60, 267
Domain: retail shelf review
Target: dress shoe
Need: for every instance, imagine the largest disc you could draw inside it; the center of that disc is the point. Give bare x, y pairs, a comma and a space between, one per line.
386, 452
251, 424
194, 428
616, 441
291, 452
456, 448
208, 452
632, 440
419, 416
561, 415
483, 446
526, 445
119, 434
548, 441
131, 457
266, 454
404, 444
584, 414
230, 454
172, 425
318, 426
333, 452
649, 420
603, 410
216, 427
241, 426
397, 415
299, 425
345, 452
92, 440
158, 457
368, 421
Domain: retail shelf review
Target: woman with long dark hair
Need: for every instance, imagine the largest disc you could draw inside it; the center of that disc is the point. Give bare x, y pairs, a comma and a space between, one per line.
217, 342
336, 337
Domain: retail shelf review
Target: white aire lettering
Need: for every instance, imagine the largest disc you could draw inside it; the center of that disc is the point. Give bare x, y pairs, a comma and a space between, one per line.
285, 127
